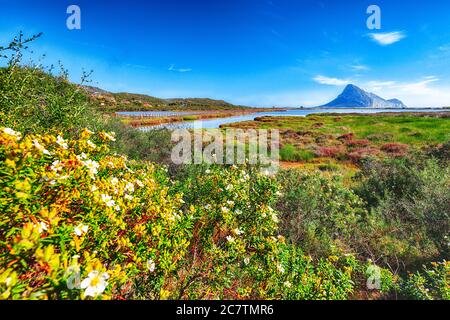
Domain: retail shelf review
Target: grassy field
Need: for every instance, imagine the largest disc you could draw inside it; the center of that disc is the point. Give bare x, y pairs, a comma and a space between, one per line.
326, 139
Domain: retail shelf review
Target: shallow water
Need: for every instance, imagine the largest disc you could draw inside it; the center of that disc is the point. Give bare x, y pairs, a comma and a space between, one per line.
216, 123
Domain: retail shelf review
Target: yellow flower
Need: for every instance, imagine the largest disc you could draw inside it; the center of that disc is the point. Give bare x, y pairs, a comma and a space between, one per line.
10, 163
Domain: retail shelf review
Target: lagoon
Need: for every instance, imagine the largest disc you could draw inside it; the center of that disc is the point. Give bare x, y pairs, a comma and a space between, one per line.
216, 123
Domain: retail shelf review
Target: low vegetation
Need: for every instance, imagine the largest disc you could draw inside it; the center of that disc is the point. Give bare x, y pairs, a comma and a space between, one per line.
352, 138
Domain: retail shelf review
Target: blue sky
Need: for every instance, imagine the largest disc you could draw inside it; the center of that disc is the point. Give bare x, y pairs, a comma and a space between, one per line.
261, 53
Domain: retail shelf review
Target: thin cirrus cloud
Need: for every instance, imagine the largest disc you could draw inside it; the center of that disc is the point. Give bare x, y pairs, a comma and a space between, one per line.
181, 70
387, 38
359, 67
331, 81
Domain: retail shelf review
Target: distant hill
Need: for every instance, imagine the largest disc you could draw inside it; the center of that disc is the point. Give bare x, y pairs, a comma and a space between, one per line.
355, 97
113, 102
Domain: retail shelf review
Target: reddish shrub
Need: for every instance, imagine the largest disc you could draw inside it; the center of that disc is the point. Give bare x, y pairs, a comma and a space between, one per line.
358, 143
358, 154
395, 149
347, 136
330, 152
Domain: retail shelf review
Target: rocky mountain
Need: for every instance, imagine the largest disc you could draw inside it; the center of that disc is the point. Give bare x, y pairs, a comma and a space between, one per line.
355, 97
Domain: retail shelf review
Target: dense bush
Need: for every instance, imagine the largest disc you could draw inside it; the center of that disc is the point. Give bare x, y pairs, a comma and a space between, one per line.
318, 213
413, 198
398, 217
71, 209
431, 283
33, 99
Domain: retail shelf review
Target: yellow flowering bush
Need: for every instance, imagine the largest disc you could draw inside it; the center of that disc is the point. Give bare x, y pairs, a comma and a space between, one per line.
78, 222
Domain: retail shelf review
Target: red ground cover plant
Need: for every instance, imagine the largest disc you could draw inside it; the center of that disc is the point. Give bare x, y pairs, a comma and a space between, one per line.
395, 149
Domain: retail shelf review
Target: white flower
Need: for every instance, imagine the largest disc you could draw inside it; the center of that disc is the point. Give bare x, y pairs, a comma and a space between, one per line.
128, 197
246, 260
117, 208
94, 188
114, 181
280, 268
91, 144
230, 203
238, 232
151, 266
129, 187
275, 218
80, 229
42, 226
225, 209
287, 284
108, 200
208, 171
208, 206
229, 187
95, 283
238, 212
13, 133
230, 239
56, 166
82, 156
92, 166
62, 142
40, 147
139, 183
110, 136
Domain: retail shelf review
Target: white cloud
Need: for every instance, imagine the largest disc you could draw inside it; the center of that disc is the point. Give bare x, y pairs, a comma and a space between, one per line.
172, 68
359, 67
420, 93
417, 88
331, 81
387, 38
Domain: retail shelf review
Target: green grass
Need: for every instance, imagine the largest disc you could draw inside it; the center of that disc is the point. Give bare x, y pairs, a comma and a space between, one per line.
291, 154
406, 129
350, 138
